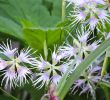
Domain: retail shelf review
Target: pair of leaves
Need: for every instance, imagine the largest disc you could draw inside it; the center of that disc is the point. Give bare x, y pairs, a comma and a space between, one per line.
36, 37
33, 11
15, 15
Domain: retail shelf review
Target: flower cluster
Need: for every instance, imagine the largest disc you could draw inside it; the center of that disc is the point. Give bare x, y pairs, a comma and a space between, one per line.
50, 72
90, 12
88, 81
16, 71
78, 51
12, 65
81, 46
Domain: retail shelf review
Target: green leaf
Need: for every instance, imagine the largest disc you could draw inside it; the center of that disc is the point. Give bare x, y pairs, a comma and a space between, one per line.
36, 94
17, 14
64, 87
105, 86
36, 37
10, 27
108, 52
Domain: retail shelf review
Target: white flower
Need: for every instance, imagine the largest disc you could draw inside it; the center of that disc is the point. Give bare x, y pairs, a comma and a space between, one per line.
99, 1
56, 79
84, 46
9, 78
79, 2
67, 51
26, 57
23, 74
83, 36
80, 47
3, 64
78, 17
89, 12
93, 21
49, 72
78, 60
41, 64
7, 49
93, 46
56, 58
63, 68
108, 36
42, 79
88, 80
15, 72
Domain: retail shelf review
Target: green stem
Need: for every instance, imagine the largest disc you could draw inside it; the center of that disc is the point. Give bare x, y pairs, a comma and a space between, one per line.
105, 64
105, 86
45, 50
106, 90
103, 83
14, 98
63, 9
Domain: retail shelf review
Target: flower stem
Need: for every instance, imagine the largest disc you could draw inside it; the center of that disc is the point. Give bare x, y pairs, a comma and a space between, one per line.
14, 98
63, 10
105, 64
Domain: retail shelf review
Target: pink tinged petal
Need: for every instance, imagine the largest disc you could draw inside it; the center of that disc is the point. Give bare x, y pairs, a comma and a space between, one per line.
7, 49
102, 14
92, 46
3, 64
10, 78
42, 65
108, 36
53, 98
55, 58
43, 78
63, 68
73, 51
99, 1
10, 53
80, 3
56, 79
67, 51
78, 83
70, 52
23, 72
84, 37
95, 79
95, 69
25, 56
52, 93
85, 89
78, 60
81, 16
93, 22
